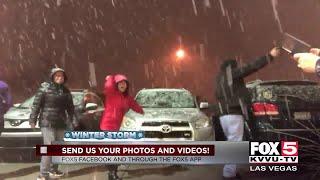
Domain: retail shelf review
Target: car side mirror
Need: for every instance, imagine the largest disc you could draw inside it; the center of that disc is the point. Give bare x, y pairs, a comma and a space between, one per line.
17, 105
204, 105
91, 106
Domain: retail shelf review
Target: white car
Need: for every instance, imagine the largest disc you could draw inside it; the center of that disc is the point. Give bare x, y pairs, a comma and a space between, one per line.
18, 133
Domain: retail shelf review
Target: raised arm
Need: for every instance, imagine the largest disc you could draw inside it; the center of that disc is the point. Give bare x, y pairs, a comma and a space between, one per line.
110, 86
256, 65
135, 106
251, 67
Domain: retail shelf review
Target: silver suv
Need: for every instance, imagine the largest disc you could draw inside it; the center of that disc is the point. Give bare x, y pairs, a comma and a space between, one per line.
170, 114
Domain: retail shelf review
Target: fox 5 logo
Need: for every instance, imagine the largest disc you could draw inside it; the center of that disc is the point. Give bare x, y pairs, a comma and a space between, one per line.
276, 148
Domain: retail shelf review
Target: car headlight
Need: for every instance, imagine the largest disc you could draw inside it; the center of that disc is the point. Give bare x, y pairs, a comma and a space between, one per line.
15, 122
128, 123
202, 123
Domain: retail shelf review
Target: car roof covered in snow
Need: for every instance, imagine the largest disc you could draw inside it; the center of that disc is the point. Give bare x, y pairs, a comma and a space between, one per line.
255, 83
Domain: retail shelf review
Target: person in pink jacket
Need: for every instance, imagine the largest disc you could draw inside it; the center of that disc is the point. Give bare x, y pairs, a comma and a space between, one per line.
117, 103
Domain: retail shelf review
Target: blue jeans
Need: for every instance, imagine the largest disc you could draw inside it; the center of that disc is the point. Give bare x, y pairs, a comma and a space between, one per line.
49, 136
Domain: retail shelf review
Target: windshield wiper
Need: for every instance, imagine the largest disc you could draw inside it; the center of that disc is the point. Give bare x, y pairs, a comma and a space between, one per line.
22, 107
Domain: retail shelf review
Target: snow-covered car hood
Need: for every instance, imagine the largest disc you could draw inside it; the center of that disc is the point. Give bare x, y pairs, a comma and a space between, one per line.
18, 113
181, 114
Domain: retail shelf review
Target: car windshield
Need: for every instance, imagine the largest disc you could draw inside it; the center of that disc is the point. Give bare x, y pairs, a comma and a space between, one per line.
27, 103
76, 96
165, 99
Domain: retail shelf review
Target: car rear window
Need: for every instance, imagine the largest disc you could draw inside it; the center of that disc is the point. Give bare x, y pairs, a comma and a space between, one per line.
308, 92
288, 83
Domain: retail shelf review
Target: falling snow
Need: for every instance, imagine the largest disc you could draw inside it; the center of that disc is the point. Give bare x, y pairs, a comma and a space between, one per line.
274, 4
138, 39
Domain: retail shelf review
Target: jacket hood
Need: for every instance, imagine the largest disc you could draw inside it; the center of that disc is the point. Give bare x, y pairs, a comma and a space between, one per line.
55, 70
118, 78
229, 62
3, 85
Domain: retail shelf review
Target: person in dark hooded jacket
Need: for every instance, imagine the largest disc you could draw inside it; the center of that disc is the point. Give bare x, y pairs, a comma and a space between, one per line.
117, 103
230, 84
5, 101
53, 108
233, 98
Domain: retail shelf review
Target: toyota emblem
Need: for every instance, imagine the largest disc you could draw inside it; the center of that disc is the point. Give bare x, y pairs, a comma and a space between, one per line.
166, 128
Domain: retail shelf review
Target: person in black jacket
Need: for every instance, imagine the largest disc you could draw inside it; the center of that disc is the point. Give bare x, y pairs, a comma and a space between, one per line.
233, 98
53, 107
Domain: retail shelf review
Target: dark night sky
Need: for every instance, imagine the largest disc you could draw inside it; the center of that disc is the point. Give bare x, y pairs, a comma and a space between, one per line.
138, 38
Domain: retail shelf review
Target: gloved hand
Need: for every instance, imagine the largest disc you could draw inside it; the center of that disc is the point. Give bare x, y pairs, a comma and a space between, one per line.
306, 61
275, 52
76, 128
75, 125
107, 77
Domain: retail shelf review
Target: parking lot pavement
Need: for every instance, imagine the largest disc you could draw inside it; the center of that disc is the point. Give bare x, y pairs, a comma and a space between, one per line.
26, 171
